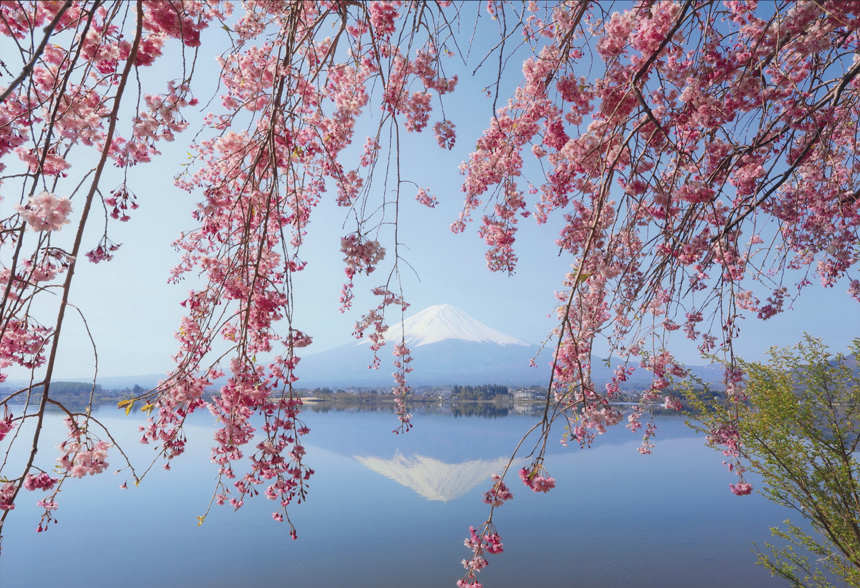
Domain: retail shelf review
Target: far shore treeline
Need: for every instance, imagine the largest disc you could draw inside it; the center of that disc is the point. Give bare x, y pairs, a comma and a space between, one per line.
75, 393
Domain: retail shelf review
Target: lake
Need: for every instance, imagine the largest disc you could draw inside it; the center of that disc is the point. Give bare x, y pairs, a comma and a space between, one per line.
393, 510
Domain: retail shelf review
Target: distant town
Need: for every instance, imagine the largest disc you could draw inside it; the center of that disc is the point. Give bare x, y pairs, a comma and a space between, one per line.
76, 393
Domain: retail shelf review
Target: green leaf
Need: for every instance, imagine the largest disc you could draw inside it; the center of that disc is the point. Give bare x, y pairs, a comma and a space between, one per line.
128, 404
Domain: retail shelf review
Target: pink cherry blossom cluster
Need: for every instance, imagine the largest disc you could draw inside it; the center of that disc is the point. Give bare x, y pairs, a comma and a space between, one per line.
104, 251
486, 540
41, 481
7, 496
162, 120
47, 505
416, 106
424, 197
12, 136
728, 437
619, 375
80, 461
362, 256
79, 455
182, 21
51, 165
650, 432
6, 423
445, 134
402, 359
64, 108
662, 126
262, 183
580, 434
23, 344
664, 367
286, 479
672, 403
376, 319
741, 488
46, 212
536, 478
499, 493
121, 199
52, 264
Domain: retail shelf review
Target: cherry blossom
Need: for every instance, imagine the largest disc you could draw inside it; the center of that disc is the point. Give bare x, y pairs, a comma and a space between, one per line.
46, 212
536, 478
696, 157
499, 493
6, 423
41, 482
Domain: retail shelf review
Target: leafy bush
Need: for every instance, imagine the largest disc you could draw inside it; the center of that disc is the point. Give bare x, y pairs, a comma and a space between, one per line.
798, 426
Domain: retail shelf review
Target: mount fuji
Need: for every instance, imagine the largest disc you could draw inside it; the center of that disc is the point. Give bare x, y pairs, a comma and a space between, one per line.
448, 347
441, 322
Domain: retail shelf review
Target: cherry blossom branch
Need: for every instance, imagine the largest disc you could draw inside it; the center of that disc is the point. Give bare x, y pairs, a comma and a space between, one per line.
75, 250
27, 70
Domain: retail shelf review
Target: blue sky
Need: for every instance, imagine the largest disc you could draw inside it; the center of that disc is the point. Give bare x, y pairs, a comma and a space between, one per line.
132, 312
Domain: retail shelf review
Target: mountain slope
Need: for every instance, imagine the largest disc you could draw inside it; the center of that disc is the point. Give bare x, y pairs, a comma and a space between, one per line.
443, 322
448, 347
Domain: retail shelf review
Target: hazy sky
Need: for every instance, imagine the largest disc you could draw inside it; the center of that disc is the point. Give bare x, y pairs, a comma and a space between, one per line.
132, 312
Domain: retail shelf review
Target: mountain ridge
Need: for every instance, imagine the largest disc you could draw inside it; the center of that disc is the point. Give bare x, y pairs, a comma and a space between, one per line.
448, 347
441, 322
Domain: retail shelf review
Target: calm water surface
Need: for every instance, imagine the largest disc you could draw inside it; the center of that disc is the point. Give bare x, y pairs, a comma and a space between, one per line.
393, 510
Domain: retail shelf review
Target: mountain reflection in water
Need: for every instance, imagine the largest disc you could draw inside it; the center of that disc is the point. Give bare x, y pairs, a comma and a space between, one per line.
616, 519
434, 479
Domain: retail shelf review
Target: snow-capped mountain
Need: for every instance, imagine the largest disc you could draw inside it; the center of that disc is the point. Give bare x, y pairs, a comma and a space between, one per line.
441, 322
435, 479
448, 347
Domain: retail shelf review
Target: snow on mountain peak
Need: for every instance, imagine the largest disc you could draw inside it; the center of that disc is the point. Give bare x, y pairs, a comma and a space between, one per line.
443, 321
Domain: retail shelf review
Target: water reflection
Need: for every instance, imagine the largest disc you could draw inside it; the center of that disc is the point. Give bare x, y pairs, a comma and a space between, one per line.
434, 479
616, 519
491, 410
